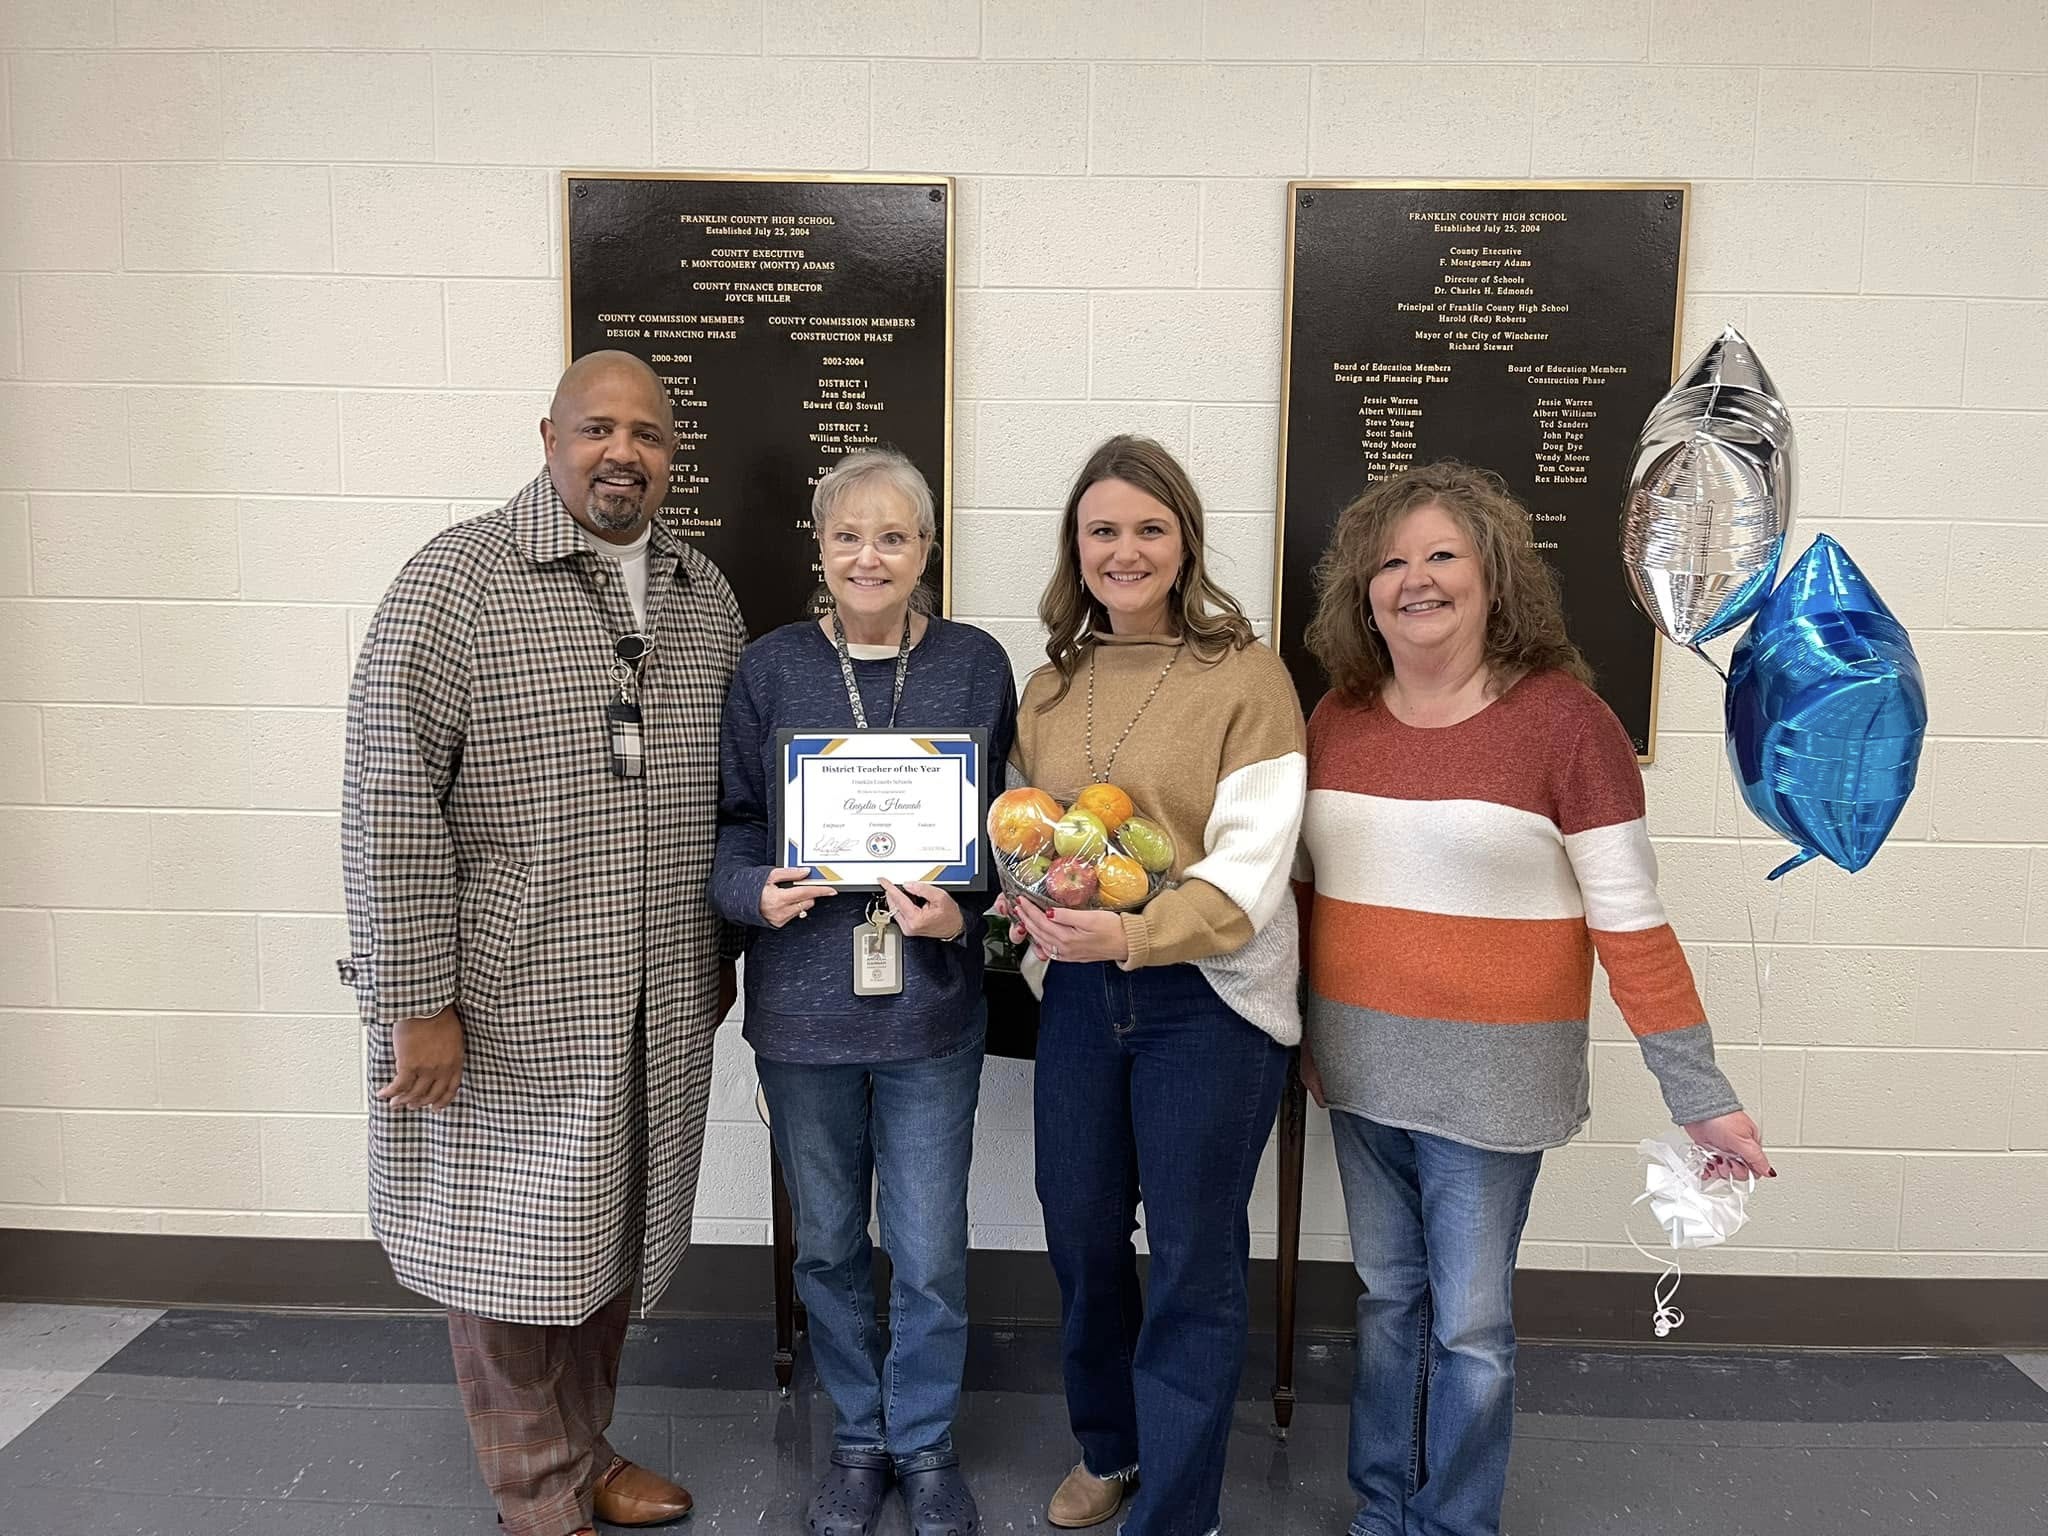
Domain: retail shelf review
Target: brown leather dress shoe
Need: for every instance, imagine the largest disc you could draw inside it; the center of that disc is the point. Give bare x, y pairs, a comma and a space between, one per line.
631, 1495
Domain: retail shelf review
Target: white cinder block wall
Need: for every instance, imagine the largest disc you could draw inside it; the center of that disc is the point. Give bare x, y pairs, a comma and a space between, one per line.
280, 296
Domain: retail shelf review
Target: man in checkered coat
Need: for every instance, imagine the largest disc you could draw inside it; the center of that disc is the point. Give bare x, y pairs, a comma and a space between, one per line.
535, 953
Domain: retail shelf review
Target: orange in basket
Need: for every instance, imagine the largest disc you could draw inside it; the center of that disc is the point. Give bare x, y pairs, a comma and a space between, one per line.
1122, 881
1020, 823
1107, 802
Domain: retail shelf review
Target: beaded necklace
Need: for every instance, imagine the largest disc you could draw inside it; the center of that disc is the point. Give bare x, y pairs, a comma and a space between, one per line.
1101, 775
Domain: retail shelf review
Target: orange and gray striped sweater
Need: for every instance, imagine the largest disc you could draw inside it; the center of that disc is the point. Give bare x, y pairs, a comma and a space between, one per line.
1463, 879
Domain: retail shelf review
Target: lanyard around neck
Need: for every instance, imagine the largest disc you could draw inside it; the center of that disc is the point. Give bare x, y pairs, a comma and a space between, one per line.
860, 714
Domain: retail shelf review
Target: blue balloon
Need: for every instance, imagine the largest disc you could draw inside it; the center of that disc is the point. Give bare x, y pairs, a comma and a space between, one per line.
1826, 711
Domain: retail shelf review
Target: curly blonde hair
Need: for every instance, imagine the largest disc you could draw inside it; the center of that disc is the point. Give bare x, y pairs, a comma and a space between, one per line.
1525, 631
1206, 616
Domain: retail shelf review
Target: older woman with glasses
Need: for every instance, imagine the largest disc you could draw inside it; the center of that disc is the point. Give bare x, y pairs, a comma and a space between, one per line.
868, 1090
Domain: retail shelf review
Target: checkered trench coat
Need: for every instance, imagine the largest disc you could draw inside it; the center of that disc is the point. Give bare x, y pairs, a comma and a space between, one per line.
493, 860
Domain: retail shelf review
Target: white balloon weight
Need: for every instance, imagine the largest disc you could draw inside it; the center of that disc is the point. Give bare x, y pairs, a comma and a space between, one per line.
1709, 495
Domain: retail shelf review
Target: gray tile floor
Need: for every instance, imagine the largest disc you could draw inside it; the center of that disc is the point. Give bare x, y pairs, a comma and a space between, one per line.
46, 1351
300, 1425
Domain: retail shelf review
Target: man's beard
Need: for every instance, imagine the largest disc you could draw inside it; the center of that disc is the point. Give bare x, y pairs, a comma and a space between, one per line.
613, 511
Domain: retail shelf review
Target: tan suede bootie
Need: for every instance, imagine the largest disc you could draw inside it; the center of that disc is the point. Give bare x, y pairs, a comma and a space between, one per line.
1085, 1499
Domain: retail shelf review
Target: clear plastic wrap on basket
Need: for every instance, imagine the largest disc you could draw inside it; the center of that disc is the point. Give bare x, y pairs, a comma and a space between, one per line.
1095, 852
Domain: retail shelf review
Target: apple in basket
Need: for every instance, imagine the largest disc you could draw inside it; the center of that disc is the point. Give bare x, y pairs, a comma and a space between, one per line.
1080, 835
1072, 882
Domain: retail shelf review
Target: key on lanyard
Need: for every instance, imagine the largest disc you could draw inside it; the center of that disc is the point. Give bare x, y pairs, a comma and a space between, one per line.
622, 715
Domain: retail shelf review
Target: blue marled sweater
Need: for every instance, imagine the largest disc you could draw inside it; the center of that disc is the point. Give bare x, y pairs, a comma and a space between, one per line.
800, 1001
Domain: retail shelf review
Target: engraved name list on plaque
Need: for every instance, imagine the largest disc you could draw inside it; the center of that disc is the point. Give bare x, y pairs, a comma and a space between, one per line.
1525, 328
793, 319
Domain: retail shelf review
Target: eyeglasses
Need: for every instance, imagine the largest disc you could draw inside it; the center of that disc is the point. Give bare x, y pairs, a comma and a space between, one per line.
890, 545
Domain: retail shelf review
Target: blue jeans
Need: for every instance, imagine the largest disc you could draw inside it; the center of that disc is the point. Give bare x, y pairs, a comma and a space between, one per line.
1434, 1228
909, 1127
1149, 1087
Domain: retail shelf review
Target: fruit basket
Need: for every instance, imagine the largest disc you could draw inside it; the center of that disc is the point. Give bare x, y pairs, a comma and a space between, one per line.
1093, 852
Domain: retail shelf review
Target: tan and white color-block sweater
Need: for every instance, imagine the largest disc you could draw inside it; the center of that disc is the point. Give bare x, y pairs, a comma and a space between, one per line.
1219, 759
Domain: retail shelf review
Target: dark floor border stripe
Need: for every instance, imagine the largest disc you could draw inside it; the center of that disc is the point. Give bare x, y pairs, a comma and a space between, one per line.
1005, 1286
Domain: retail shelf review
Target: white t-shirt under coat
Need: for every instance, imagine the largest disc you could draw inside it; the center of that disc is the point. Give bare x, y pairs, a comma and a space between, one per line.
631, 559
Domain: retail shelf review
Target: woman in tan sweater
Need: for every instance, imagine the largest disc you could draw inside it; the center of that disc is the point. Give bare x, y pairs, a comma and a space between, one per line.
1163, 1039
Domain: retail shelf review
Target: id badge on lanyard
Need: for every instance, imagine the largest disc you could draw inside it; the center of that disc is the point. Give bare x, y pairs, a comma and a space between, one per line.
878, 942
622, 714
877, 955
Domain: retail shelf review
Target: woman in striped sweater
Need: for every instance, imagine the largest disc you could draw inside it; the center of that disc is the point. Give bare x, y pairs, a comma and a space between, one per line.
1475, 831
1162, 1045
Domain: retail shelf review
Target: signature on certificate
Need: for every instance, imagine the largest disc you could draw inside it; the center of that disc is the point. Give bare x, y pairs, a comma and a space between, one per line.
886, 805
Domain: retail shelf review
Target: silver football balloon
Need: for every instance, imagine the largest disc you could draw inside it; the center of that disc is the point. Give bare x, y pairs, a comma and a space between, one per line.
1709, 495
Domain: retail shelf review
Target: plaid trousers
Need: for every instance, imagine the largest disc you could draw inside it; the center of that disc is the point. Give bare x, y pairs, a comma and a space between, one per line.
538, 1397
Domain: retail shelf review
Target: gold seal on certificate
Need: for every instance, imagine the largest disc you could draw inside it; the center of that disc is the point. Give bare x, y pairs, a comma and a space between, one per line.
860, 807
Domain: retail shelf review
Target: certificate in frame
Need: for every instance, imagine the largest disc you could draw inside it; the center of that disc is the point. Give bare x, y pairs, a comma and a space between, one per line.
857, 807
